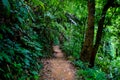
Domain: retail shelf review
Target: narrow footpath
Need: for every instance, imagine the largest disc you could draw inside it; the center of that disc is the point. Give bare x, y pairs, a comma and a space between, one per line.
57, 68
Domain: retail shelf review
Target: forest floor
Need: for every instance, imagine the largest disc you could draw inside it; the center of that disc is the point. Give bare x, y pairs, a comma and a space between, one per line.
57, 68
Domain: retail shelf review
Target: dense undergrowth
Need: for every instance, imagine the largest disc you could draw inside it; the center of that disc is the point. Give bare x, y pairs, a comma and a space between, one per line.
28, 29
19, 43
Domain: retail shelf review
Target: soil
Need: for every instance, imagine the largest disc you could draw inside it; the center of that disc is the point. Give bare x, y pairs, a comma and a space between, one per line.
57, 68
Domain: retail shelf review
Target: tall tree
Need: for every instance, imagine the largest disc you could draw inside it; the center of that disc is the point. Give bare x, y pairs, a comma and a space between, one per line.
90, 49
88, 43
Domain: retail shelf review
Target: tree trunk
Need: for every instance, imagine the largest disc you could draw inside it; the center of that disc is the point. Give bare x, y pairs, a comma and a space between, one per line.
89, 50
88, 44
99, 32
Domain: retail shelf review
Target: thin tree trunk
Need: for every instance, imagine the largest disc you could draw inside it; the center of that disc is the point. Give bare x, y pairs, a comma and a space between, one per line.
88, 44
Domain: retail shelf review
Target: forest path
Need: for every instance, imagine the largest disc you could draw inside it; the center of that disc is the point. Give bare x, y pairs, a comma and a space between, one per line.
57, 68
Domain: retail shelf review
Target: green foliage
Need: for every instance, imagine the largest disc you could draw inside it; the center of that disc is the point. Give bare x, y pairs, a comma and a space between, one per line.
83, 72
29, 28
20, 47
6, 6
91, 74
110, 67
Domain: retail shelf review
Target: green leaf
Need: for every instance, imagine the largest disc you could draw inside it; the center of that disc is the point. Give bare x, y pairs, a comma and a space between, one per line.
38, 3
1, 58
27, 62
25, 51
6, 5
1, 36
5, 56
20, 20
34, 72
1, 70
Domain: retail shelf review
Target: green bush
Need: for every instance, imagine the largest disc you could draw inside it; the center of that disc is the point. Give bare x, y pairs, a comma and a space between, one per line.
20, 48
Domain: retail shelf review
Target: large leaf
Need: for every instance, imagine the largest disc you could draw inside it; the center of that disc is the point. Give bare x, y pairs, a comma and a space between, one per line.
6, 5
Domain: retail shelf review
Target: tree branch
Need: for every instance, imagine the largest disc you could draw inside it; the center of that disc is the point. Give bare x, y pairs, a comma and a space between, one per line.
101, 23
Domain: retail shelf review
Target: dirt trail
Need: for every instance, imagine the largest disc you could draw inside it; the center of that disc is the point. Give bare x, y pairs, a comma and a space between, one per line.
57, 68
